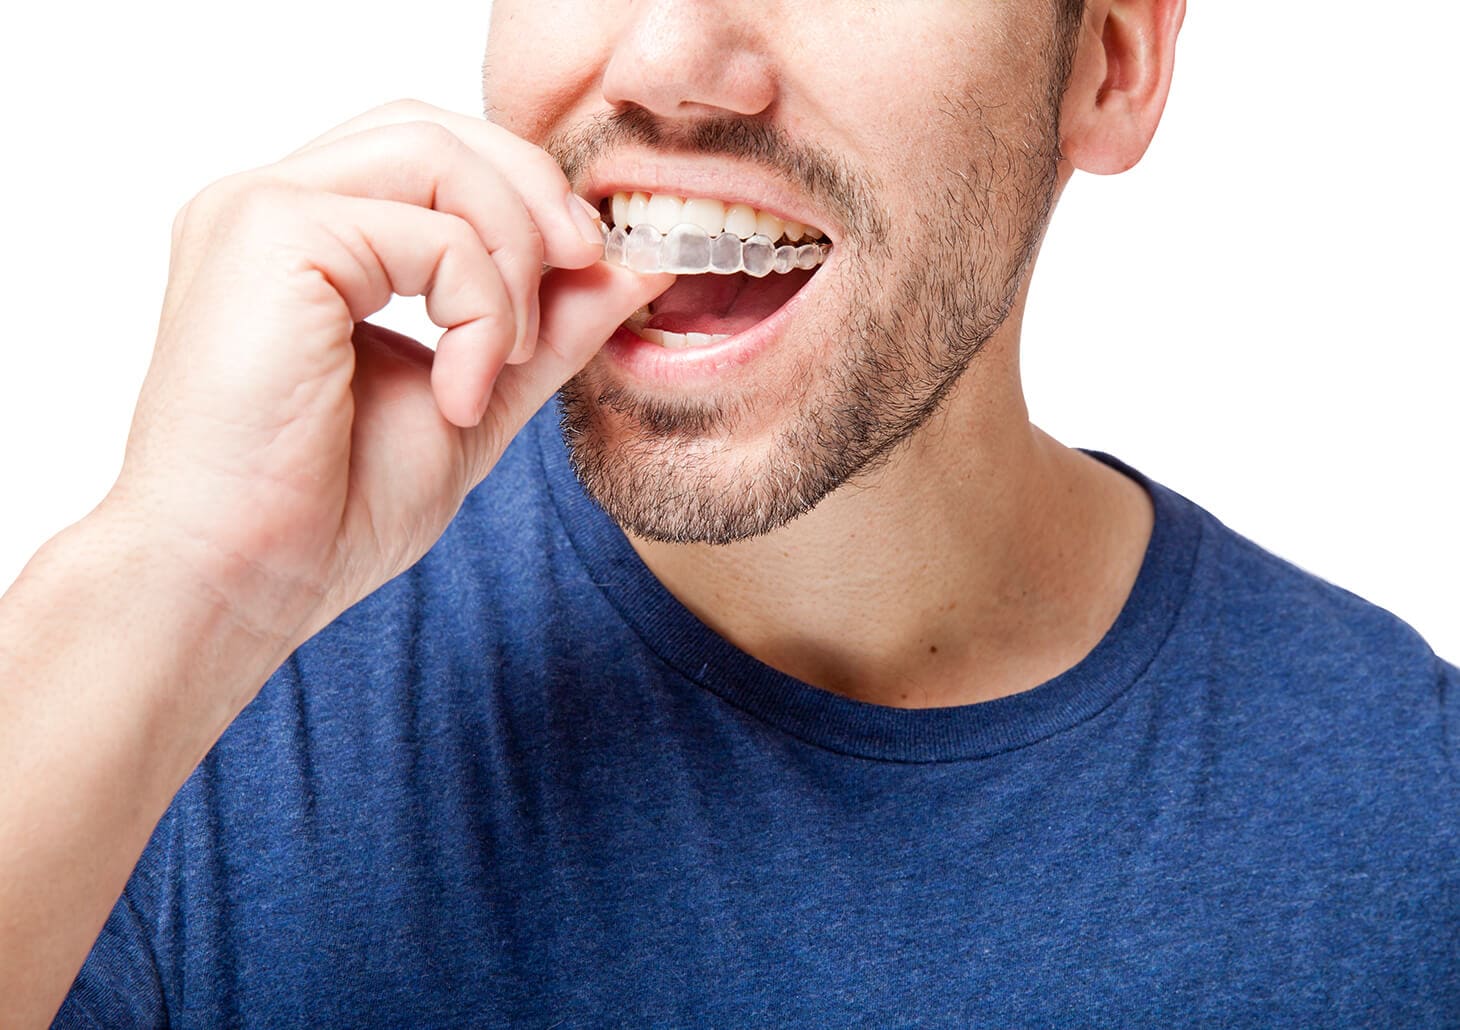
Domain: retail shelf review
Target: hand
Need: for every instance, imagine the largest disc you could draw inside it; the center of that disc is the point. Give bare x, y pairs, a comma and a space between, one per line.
296, 456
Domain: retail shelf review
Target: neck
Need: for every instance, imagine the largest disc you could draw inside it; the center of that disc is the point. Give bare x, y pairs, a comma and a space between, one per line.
983, 559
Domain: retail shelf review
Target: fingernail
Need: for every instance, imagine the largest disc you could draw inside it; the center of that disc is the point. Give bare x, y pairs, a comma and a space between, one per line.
585, 216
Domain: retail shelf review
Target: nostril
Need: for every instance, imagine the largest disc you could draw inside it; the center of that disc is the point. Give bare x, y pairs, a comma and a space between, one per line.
689, 61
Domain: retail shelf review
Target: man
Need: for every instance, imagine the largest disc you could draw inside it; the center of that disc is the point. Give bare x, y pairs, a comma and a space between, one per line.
835, 692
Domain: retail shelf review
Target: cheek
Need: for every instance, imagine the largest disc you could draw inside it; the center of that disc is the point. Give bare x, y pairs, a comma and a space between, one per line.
914, 90
543, 57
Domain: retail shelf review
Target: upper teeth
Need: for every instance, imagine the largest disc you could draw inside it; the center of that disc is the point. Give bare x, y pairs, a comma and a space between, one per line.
664, 211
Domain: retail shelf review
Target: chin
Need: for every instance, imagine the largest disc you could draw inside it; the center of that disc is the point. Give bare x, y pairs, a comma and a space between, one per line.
682, 471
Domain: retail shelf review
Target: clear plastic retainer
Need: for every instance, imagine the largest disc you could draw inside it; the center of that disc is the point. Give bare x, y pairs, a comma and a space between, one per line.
689, 250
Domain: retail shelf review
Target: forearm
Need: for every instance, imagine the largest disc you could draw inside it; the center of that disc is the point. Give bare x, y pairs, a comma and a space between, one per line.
118, 671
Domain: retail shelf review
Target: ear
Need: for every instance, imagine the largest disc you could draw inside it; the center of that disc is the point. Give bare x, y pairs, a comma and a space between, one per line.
1118, 82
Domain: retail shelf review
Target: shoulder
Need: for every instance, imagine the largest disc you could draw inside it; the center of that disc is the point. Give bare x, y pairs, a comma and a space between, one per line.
1299, 622
1302, 662
1243, 607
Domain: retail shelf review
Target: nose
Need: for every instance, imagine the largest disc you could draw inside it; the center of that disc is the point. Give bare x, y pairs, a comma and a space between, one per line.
692, 59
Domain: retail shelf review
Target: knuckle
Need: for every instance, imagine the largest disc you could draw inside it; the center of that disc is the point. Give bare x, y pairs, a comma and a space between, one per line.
238, 201
222, 195
254, 200
208, 200
406, 109
425, 136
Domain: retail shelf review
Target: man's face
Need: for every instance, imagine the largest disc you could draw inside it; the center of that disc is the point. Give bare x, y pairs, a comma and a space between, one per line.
920, 137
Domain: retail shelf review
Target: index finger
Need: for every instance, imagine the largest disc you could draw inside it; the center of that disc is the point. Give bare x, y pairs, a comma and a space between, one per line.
544, 190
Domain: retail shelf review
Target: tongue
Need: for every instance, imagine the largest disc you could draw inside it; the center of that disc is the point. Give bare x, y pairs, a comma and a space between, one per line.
722, 303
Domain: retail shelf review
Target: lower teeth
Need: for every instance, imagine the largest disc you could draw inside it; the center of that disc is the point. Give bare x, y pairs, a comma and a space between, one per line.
665, 338
689, 250
677, 341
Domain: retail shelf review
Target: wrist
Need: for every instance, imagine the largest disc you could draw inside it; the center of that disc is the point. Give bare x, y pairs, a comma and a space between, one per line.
117, 589
214, 587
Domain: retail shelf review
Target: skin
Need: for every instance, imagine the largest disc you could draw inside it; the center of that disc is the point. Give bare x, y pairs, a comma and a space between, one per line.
968, 556
285, 458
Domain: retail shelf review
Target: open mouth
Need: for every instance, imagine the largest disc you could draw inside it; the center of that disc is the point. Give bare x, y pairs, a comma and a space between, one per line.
736, 265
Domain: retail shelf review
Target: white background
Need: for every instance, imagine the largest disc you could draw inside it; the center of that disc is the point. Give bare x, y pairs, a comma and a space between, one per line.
1261, 315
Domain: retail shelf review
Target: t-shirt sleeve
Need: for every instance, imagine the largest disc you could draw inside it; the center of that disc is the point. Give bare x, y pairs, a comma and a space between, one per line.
118, 985
1449, 698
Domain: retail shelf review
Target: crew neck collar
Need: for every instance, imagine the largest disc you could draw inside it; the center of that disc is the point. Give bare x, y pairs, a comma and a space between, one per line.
841, 724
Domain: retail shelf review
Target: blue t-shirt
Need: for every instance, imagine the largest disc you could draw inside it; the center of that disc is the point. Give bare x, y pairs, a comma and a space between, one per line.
522, 785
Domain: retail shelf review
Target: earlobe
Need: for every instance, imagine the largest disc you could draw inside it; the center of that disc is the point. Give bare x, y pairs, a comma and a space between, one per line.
1119, 82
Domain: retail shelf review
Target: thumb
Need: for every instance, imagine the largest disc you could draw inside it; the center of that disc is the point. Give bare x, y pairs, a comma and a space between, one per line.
581, 308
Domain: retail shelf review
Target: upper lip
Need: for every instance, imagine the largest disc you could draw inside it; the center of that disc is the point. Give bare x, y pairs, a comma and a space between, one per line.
726, 179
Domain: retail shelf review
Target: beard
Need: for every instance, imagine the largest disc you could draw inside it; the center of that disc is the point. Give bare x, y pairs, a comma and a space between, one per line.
911, 319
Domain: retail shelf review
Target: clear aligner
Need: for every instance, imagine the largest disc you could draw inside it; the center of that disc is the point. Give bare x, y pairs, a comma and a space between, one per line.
689, 250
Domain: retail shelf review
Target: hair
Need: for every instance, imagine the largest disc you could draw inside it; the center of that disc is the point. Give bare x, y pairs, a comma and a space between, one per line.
1069, 14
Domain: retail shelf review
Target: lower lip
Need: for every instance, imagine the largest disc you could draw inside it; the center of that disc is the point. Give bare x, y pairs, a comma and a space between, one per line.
687, 367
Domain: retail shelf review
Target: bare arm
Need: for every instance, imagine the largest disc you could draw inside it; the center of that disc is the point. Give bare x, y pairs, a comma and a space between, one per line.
286, 459
119, 671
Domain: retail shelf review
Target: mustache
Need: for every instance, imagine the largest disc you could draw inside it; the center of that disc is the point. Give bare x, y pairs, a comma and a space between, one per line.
824, 177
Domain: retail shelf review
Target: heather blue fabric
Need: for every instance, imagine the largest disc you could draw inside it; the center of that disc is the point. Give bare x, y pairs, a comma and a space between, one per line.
521, 785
